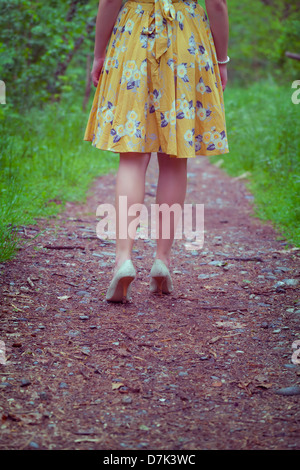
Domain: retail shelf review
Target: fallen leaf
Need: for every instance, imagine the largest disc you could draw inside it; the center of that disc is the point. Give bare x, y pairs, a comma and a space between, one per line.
32, 418
30, 282
213, 353
244, 384
214, 339
88, 439
217, 383
219, 162
143, 427
290, 250
116, 385
262, 381
17, 308
85, 350
230, 324
246, 174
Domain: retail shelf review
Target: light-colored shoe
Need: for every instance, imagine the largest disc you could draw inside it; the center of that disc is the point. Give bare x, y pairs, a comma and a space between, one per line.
160, 278
120, 287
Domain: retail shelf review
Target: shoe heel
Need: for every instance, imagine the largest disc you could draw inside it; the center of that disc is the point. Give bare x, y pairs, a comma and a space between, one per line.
126, 281
159, 283
119, 288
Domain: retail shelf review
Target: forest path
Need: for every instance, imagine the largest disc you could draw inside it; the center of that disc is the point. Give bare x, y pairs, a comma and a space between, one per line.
198, 369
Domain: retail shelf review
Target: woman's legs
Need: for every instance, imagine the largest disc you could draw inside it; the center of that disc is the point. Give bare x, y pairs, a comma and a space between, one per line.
130, 183
171, 189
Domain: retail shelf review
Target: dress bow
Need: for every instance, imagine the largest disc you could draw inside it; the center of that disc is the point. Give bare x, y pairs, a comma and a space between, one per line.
165, 13
160, 26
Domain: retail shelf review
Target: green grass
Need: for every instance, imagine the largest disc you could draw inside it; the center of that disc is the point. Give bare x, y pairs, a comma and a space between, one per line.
264, 140
44, 162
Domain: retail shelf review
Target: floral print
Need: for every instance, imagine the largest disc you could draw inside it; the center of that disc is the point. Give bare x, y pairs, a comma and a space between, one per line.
160, 88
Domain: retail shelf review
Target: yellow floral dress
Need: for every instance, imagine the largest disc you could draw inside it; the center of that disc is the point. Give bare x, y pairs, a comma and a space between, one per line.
160, 88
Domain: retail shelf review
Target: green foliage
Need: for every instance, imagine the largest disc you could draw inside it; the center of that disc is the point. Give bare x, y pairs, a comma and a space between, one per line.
261, 32
37, 41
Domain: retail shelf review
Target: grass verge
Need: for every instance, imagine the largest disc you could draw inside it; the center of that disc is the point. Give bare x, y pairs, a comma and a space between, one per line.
264, 143
44, 162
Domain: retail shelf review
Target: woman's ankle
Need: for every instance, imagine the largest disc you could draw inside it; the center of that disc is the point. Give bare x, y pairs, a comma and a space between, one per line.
165, 259
120, 259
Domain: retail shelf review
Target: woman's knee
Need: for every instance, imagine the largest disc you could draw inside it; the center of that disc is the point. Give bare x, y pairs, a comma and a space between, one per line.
137, 160
166, 161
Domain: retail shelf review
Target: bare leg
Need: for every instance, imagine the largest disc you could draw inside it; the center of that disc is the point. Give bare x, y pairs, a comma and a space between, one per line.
171, 189
130, 183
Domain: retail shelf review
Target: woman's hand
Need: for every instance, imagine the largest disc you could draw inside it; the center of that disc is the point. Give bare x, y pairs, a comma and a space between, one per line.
223, 74
108, 12
96, 70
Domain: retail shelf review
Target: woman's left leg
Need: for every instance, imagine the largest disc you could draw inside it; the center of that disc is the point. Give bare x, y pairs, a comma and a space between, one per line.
130, 183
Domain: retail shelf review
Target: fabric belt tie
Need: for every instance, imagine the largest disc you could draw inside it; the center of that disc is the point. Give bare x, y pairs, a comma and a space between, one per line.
160, 26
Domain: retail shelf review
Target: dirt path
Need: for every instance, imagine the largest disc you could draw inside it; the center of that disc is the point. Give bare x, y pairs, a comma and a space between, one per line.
198, 369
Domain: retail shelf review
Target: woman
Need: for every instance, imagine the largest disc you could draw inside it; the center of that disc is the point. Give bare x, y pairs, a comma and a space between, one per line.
160, 86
